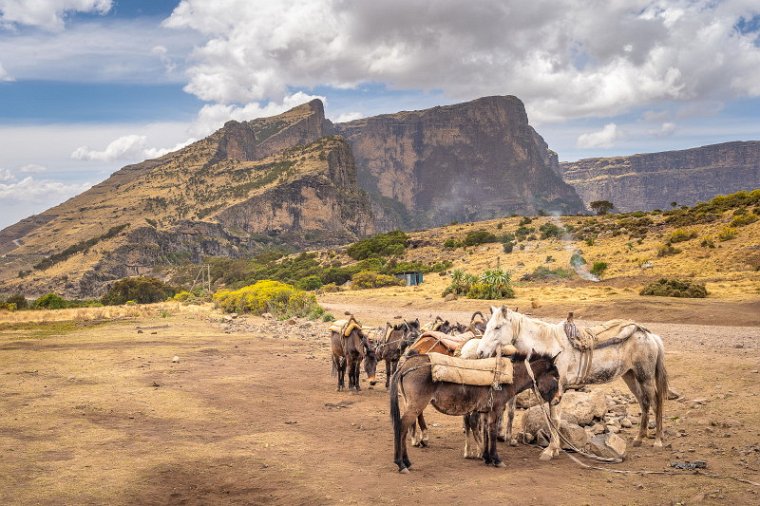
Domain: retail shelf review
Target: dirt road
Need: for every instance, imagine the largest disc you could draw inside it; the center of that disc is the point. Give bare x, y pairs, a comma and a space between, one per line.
101, 414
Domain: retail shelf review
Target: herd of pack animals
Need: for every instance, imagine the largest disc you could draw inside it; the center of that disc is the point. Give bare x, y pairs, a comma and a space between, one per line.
548, 358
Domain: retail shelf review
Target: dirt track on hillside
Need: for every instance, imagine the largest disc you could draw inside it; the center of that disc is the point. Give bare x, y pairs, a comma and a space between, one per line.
103, 415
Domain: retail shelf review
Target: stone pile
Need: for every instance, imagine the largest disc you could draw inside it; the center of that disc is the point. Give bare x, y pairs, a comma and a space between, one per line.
591, 421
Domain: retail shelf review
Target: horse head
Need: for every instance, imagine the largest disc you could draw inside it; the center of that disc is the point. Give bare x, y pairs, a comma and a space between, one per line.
499, 332
370, 360
548, 378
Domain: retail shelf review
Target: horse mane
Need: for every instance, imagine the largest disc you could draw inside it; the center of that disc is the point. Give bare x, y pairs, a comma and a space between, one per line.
520, 357
544, 329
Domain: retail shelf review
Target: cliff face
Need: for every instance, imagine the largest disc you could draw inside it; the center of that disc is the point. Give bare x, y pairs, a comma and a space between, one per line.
463, 162
280, 179
654, 180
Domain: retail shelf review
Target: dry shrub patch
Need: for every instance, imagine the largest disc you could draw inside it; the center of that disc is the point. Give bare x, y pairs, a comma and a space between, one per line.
268, 296
665, 287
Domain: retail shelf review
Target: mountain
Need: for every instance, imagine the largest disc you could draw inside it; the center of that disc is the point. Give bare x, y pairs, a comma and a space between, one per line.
284, 179
462, 162
654, 180
295, 179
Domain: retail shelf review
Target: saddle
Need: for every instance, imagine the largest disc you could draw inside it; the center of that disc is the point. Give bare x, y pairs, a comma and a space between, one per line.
345, 327
434, 325
452, 343
484, 372
606, 333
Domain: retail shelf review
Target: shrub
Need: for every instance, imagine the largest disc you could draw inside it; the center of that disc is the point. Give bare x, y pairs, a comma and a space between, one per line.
7, 306
545, 273
312, 282
598, 268
667, 250
727, 234
50, 301
675, 288
743, 220
19, 300
550, 230
327, 317
492, 284
475, 237
380, 245
371, 279
526, 220
524, 231
452, 243
707, 243
681, 235
142, 290
267, 296
576, 260
182, 296
508, 246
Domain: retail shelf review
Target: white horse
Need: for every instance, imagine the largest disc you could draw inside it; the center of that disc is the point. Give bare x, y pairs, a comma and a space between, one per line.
636, 354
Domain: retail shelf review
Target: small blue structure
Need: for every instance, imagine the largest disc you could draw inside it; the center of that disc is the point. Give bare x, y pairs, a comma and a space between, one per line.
413, 278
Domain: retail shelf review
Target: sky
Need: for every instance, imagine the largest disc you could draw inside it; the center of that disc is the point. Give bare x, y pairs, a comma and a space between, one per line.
88, 86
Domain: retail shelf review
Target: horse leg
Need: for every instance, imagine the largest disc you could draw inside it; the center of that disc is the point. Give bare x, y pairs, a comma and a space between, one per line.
484, 433
650, 393
493, 430
552, 450
341, 373
510, 411
633, 385
467, 429
357, 371
477, 434
423, 431
388, 372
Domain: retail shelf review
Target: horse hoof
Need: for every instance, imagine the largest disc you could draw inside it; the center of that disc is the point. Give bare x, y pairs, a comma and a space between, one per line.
404, 470
423, 444
658, 444
546, 455
499, 464
513, 442
501, 439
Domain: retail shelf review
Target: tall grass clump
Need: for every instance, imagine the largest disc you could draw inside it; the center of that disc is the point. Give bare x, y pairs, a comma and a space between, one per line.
675, 288
491, 285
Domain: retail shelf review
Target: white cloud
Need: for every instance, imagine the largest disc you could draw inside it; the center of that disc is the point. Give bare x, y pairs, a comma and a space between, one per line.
4, 75
46, 14
667, 129
348, 116
212, 116
32, 168
127, 147
6, 175
571, 59
42, 191
604, 138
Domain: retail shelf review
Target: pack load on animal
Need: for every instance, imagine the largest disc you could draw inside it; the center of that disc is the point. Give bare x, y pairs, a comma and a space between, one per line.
461, 371
593, 336
344, 327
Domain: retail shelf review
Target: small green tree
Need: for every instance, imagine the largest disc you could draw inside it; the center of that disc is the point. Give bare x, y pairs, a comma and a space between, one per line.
602, 206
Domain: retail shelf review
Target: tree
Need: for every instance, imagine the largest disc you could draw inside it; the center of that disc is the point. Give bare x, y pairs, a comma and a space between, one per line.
602, 206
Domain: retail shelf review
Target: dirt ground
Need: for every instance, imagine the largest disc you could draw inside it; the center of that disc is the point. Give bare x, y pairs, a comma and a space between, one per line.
98, 413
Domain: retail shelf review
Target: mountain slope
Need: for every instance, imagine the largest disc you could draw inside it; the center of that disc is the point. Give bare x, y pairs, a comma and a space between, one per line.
462, 162
246, 185
654, 180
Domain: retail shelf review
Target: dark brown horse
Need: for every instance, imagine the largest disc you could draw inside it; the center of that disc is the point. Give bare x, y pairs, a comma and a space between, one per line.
414, 382
348, 352
396, 339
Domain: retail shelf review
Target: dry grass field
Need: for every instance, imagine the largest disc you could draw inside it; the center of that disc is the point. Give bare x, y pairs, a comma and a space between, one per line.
95, 411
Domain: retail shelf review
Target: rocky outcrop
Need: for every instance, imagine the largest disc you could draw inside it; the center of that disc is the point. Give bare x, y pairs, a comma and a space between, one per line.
654, 180
463, 162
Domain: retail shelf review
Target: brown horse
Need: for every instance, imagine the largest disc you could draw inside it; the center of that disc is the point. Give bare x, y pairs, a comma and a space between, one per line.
430, 342
397, 338
348, 353
414, 382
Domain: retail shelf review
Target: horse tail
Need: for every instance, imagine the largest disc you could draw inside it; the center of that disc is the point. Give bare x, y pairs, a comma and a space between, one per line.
396, 410
661, 379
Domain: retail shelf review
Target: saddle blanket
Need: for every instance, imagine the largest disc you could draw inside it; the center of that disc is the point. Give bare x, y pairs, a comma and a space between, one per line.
470, 372
596, 335
453, 343
344, 327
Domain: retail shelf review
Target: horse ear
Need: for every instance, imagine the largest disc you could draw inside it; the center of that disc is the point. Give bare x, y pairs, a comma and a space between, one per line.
495, 310
505, 310
555, 356
516, 308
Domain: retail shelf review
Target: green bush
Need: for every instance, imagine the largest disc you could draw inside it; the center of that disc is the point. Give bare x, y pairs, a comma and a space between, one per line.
312, 282
143, 290
598, 268
743, 220
577, 260
19, 300
667, 250
452, 243
549, 229
50, 301
327, 317
371, 279
526, 220
508, 246
727, 234
681, 235
675, 288
267, 296
542, 273
476, 237
492, 284
380, 245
